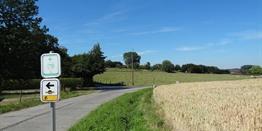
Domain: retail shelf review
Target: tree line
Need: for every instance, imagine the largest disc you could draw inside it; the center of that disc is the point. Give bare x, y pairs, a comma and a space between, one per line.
166, 65
251, 70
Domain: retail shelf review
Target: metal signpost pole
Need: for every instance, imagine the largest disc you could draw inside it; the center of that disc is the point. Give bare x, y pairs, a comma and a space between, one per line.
132, 58
50, 85
52, 105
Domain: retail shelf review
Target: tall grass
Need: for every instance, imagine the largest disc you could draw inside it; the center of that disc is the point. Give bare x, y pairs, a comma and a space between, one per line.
11, 103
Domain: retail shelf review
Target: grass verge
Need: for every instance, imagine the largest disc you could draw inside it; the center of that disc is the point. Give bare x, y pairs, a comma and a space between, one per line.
132, 111
11, 103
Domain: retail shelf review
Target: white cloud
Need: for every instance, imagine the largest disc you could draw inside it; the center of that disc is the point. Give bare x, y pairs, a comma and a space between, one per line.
248, 35
161, 30
146, 52
220, 43
190, 48
204, 46
110, 17
120, 31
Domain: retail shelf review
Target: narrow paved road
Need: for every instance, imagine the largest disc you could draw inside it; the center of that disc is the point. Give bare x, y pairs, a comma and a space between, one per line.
68, 112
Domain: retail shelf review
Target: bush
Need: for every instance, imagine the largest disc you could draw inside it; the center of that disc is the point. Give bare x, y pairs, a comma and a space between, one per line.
35, 84
157, 67
17, 84
71, 83
1, 87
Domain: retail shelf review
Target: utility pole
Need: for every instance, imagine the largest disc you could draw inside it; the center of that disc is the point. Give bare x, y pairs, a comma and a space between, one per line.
132, 72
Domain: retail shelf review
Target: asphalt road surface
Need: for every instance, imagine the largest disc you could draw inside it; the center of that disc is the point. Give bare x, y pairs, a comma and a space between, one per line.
68, 112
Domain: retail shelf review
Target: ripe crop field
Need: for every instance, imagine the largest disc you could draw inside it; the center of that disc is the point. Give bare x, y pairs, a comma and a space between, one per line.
220, 105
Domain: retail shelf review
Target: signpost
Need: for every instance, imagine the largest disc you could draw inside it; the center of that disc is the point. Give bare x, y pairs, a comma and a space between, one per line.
50, 65
50, 86
50, 90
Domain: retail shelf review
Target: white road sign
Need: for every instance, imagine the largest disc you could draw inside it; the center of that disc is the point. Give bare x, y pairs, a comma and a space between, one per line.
50, 65
50, 90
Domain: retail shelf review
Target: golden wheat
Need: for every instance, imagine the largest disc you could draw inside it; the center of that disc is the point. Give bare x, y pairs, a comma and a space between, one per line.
210, 106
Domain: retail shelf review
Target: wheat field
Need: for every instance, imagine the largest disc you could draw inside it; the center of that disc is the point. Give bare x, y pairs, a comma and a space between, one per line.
212, 106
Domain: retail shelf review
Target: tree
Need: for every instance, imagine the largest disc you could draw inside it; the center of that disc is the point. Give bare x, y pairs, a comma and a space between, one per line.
118, 64
109, 64
113, 64
23, 40
245, 69
89, 64
129, 56
255, 70
177, 68
168, 66
148, 66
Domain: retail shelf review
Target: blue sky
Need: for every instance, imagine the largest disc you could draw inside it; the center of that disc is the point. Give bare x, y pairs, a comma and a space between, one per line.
224, 33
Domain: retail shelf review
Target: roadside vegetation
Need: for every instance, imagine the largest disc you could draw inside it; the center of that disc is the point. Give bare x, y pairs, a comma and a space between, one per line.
132, 111
11, 101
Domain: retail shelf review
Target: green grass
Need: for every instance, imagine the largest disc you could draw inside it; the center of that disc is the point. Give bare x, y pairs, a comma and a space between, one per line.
132, 111
11, 103
146, 78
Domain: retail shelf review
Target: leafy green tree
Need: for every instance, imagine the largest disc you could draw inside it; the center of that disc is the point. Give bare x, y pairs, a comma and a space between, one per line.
89, 64
23, 40
177, 68
113, 64
255, 70
168, 66
129, 56
148, 66
245, 69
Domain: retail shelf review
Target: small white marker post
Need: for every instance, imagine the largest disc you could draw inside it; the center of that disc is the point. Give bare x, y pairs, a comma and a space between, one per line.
50, 88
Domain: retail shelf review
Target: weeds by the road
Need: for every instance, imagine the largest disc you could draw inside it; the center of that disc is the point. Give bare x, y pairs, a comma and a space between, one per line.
133, 111
11, 103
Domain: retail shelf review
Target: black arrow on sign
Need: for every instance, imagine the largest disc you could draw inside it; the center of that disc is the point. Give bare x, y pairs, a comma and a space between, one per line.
49, 85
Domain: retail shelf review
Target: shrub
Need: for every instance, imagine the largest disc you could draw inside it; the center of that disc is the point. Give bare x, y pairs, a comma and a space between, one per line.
157, 67
35, 84
71, 83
